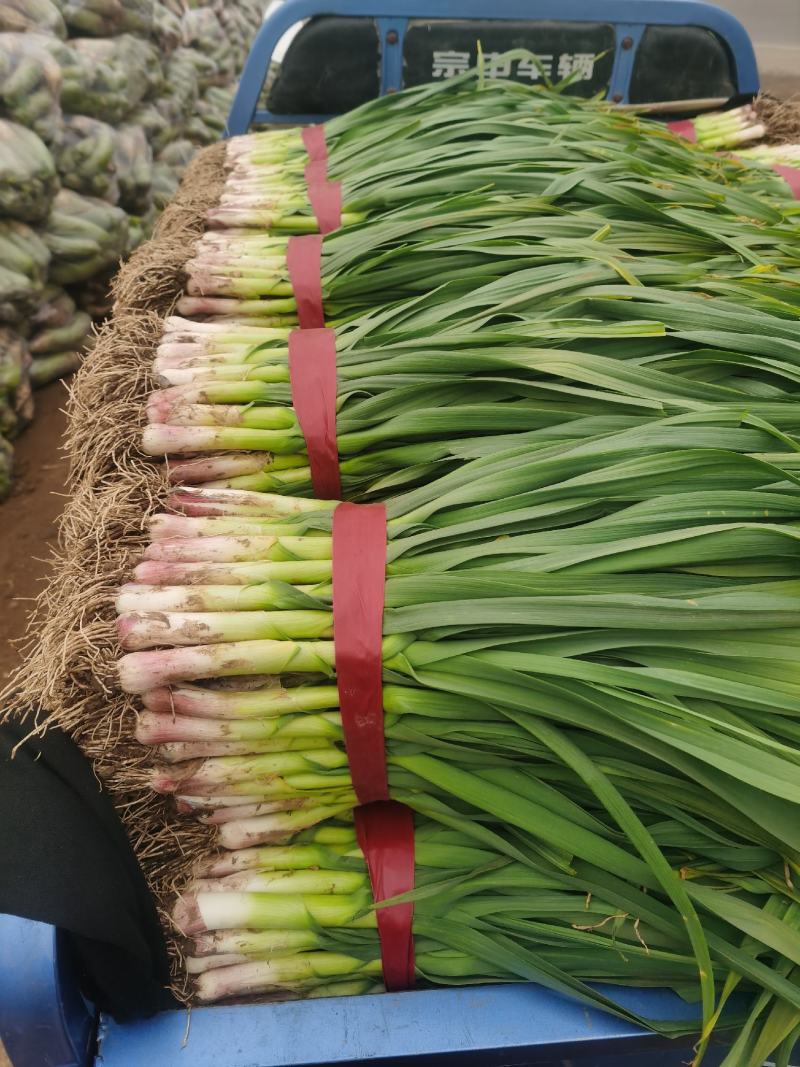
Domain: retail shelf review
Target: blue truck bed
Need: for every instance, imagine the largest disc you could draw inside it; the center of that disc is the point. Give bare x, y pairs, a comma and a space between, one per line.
44, 1022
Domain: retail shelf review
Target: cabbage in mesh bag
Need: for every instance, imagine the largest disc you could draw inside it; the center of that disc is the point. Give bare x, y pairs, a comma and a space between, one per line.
183, 86
70, 337
165, 184
16, 408
111, 77
24, 259
166, 28
27, 173
86, 158
21, 16
55, 308
30, 85
85, 236
133, 162
99, 18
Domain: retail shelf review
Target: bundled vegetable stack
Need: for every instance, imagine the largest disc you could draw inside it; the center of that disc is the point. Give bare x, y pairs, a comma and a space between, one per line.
90, 93
453, 291
567, 368
602, 658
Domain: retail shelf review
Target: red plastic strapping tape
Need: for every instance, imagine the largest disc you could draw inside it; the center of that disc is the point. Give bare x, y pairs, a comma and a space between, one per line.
385, 828
312, 373
316, 171
684, 128
359, 577
791, 175
385, 833
304, 264
326, 203
314, 142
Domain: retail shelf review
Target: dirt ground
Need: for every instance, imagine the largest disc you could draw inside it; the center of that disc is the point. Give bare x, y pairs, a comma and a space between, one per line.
28, 521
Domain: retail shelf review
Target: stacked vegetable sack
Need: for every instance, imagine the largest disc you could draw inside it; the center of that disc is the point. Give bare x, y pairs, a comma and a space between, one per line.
102, 104
567, 351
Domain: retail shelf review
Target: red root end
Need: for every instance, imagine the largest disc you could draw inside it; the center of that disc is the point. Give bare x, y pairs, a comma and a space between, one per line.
163, 549
126, 631
192, 505
160, 700
154, 572
186, 916
163, 526
159, 408
155, 729
192, 472
170, 779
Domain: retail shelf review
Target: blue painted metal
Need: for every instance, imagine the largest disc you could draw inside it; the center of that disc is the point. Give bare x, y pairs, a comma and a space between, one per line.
488, 1025
624, 60
44, 1021
629, 16
392, 52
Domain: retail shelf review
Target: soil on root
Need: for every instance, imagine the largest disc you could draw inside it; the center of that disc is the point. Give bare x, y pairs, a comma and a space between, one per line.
781, 117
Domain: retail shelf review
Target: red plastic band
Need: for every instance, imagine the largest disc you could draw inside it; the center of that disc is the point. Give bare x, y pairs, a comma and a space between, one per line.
385, 828
316, 171
791, 175
326, 203
314, 142
684, 128
312, 373
386, 837
304, 263
359, 577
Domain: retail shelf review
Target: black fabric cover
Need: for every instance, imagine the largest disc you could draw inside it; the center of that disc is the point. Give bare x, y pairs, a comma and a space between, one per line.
66, 860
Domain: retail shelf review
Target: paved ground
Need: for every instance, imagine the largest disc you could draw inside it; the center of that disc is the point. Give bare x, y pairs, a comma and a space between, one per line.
782, 85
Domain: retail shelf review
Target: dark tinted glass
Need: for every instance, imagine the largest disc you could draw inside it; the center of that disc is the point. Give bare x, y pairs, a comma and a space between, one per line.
681, 63
330, 66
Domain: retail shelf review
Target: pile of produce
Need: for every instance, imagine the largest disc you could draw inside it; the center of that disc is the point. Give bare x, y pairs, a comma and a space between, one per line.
90, 94
566, 349
565, 346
